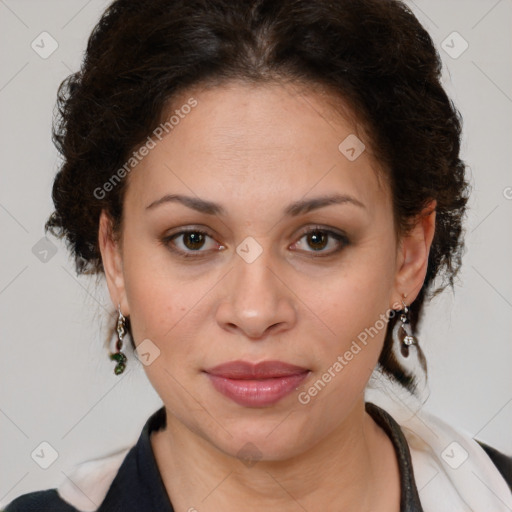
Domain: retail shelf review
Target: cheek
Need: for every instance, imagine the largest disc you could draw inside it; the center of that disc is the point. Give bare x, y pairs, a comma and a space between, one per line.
345, 360
153, 299
354, 297
353, 306
166, 306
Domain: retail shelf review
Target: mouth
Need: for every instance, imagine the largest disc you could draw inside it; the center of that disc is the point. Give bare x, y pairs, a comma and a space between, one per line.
256, 385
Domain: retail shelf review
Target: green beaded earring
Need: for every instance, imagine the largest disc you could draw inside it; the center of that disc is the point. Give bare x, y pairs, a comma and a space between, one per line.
118, 356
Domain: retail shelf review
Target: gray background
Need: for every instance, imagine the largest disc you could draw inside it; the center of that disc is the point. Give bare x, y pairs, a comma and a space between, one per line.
57, 384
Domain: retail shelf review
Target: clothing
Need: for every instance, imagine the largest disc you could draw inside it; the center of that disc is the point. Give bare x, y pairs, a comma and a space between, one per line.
130, 481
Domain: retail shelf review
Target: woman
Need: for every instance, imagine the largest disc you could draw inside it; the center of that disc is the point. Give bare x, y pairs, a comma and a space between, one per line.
270, 189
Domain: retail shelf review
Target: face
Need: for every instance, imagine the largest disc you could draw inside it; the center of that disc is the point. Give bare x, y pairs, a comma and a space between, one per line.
231, 273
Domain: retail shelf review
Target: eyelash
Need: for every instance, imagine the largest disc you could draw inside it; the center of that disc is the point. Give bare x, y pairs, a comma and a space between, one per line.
342, 239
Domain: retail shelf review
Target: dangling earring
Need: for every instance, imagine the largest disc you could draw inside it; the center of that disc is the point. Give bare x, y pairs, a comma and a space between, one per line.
118, 356
407, 363
404, 332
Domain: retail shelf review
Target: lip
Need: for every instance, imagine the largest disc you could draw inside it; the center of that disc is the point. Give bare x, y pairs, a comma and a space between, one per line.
263, 370
256, 385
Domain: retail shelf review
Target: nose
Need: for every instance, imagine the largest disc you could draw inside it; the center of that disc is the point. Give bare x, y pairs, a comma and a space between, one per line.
258, 301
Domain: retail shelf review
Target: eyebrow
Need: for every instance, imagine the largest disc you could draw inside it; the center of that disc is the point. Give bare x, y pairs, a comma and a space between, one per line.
296, 208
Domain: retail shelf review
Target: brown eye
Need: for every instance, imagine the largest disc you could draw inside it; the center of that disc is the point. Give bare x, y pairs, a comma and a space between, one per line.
318, 239
187, 242
193, 240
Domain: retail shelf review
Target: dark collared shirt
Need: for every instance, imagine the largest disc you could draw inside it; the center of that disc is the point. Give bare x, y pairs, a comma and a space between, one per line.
138, 486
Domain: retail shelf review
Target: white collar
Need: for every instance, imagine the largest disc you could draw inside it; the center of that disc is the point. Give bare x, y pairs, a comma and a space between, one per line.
452, 471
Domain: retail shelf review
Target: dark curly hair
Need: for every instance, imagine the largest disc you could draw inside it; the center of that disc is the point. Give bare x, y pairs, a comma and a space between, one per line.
372, 54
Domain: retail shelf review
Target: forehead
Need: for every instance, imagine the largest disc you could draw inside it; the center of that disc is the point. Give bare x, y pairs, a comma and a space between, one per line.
240, 141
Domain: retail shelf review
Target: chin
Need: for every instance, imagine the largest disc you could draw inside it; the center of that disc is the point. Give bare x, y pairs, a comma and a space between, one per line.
254, 441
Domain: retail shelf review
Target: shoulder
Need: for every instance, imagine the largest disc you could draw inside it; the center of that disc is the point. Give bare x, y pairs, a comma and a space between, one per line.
39, 501
449, 464
87, 486
502, 461
114, 478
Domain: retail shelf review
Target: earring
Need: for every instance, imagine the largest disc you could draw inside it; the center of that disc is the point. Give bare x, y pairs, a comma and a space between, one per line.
404, 332
118, 356
407, 353
402, 377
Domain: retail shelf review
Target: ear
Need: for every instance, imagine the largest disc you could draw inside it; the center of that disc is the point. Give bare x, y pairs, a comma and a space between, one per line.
112, 263
413, 251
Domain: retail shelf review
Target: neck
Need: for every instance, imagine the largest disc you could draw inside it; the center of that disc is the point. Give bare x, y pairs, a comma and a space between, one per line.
353, 468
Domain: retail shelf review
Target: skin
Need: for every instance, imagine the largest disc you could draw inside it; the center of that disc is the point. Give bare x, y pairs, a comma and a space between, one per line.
254, 150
